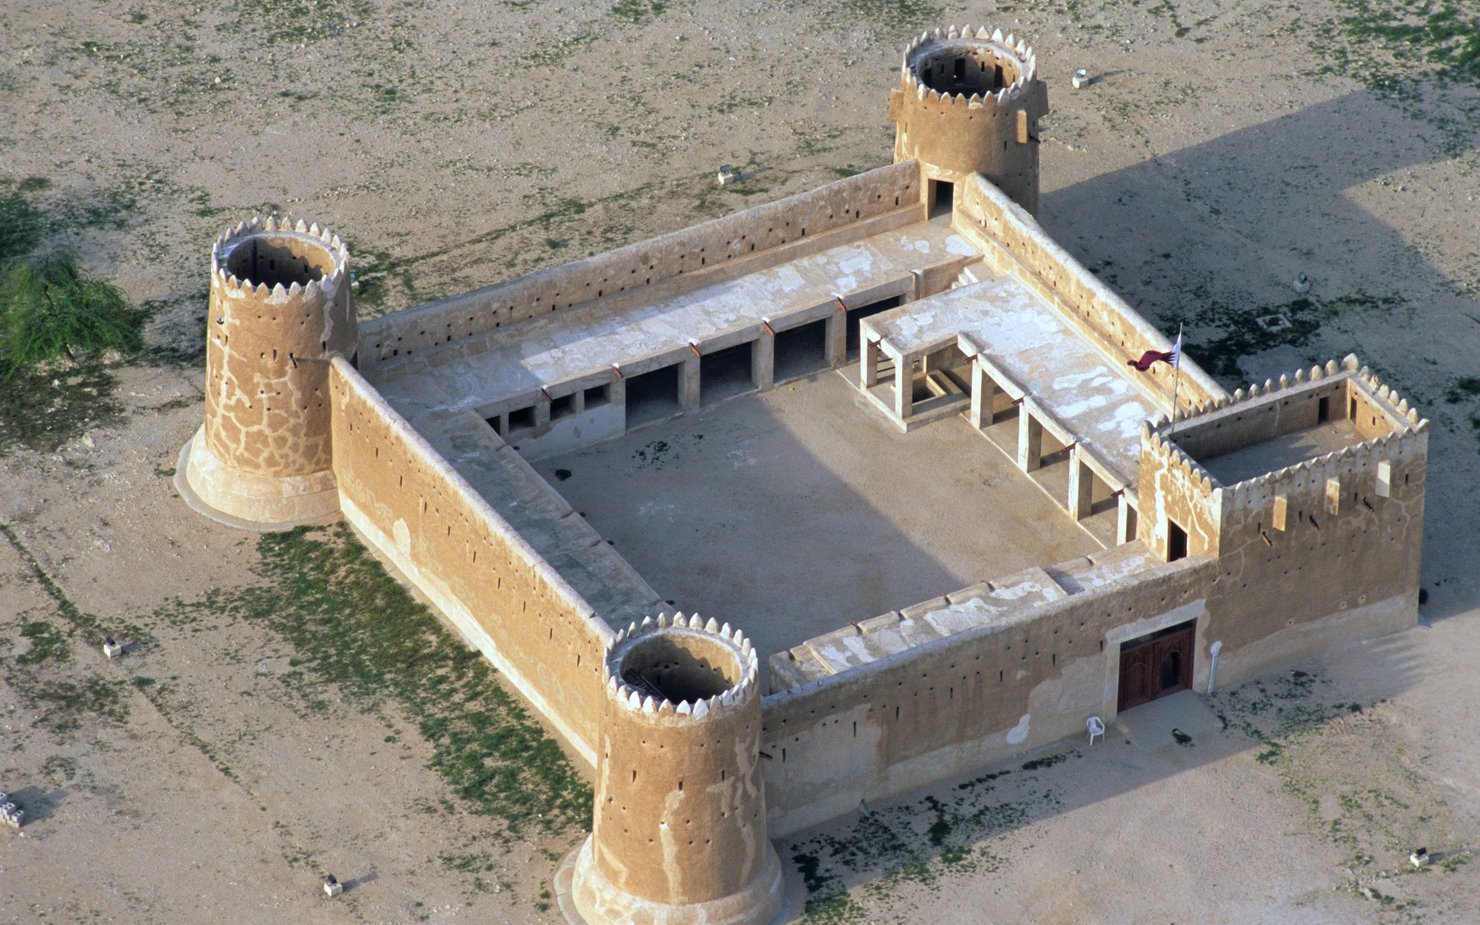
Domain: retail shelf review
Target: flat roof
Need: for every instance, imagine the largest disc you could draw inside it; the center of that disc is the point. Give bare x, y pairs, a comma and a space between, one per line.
649, 327
1280, 452
1100, 401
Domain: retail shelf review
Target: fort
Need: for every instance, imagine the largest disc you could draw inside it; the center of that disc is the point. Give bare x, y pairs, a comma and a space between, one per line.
1100, 536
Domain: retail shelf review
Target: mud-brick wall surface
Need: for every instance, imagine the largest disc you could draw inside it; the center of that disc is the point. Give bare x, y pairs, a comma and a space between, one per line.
700, 248
956, 704
1016, 242
1248, 423
1343, 545
410, 504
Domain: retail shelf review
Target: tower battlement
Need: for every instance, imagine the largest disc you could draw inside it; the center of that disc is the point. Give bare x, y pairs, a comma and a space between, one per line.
969, 102
679, 834
279, 307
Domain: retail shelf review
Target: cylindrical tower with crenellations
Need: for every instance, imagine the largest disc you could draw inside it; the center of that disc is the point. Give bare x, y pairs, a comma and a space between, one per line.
969, 102
679, 834
279, 307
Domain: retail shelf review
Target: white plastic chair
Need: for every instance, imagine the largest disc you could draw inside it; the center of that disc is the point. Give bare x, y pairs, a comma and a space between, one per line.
1096, 728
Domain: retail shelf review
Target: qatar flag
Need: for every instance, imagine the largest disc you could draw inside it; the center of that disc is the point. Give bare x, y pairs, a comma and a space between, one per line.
1151, 357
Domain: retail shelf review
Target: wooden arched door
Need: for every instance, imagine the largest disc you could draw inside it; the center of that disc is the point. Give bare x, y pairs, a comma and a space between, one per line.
1156, 665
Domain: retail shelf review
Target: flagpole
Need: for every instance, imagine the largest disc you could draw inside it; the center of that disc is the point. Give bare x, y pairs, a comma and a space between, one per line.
1176, 377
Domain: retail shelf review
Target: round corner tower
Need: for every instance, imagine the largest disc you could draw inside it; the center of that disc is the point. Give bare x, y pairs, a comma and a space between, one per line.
279, 308
679, 833
969, 102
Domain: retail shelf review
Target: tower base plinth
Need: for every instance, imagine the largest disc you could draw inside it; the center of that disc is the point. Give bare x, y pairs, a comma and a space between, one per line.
593, 900
250, 501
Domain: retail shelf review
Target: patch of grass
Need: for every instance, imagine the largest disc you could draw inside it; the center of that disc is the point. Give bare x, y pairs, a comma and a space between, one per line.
55, 322
323, 585
638, 12
60, 766
1047, 761
20, 226
471, 862
1381, 40
1239, 333
1463, 389
833, 910
64, 703
42, 676
50, 309
299, 21
896, 17
41, 409
47, 643
918, 842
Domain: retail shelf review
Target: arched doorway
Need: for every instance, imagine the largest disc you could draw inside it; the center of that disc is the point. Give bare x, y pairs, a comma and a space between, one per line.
1156, 665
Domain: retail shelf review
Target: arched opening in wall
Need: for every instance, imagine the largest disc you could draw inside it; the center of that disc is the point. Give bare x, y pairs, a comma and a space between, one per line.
1156, 665
1171, 669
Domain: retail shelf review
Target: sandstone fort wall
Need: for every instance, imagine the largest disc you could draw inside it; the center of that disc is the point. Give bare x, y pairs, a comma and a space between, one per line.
1015, 243
409, 504
1306, 554
801, 222
1332, 540
959, 703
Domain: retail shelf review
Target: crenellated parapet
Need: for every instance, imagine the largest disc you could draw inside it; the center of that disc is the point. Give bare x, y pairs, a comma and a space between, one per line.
1301, 449
279, 309
679, 832
969, 102
1164, 453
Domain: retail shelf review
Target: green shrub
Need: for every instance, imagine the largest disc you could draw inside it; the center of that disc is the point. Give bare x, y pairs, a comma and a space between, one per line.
50, 308
20, 226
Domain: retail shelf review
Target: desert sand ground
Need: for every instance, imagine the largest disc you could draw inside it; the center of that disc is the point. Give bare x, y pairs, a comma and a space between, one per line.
226, 763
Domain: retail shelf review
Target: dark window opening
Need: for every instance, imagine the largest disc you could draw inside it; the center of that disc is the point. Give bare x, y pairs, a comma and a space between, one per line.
1323, 410
521, 419
597, 396
942, 197
801, 350
563, 406
960, 72
652, 396
1352, 411
725, 374
497, 424
1171, 669
1176, 542
856, 315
